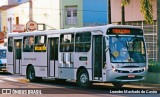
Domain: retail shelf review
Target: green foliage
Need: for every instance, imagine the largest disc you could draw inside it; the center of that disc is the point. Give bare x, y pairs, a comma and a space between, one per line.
125, 2
154, 67
147, 10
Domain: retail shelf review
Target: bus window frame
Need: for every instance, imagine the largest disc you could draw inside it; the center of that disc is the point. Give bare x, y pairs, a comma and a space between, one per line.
67, 46
82, 42
10, 45
31, 48
41, 47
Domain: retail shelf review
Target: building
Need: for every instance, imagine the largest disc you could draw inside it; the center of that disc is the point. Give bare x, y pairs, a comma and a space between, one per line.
44, 13
55, 14
71, 13
95, 12
133, 16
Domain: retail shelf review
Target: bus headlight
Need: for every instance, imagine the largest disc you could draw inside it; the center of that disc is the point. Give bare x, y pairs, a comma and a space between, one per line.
113, 68
145, 68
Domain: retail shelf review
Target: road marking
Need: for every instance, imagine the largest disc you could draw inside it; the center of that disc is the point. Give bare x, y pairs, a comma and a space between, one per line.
10, 79
1, 81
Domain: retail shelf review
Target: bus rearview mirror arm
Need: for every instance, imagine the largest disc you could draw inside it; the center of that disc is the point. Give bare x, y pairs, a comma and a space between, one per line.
107, 48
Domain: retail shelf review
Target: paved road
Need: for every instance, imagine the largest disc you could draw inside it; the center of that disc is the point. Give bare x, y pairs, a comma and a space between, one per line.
18, 85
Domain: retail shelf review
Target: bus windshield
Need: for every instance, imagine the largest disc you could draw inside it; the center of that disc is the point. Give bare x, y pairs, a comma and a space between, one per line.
2, 54
127, 49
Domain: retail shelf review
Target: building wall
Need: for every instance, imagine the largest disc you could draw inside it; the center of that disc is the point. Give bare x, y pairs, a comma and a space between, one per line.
67, 3
132, 11
47, 12
94, 12
3, 21
3, 2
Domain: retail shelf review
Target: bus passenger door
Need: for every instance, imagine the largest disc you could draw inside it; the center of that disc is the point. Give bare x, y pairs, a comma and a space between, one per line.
97, 57
17, 56
53, 57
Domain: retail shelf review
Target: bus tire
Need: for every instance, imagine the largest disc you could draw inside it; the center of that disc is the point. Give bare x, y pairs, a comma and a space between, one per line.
31, 74
83, 79
118, 84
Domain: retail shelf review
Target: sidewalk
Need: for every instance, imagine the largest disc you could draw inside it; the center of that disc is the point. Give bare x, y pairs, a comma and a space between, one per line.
145, 85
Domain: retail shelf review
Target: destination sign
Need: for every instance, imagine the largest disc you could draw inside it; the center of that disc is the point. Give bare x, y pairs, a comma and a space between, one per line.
124, 31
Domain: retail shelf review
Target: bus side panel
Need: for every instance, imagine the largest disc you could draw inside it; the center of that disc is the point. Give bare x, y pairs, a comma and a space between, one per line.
10, 62
27, 58
84, 59
66, 69
41, 64
24, 68
38, 60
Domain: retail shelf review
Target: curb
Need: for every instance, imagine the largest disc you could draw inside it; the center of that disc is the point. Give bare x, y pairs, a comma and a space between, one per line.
146, 84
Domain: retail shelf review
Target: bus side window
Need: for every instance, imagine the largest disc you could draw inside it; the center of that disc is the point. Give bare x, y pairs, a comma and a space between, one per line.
18, 50
83, 42
28, 44
10, 44
40, 43
67, 43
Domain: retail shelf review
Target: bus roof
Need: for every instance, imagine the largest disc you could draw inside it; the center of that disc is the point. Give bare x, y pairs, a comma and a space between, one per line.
70, 30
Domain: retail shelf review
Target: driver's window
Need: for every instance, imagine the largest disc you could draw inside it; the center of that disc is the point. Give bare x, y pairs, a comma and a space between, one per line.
139, 47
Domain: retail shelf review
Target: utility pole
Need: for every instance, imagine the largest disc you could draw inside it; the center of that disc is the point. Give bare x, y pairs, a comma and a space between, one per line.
109, 12
30, 11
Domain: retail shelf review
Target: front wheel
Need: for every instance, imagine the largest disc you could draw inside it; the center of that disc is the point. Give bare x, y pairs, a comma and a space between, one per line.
83, 79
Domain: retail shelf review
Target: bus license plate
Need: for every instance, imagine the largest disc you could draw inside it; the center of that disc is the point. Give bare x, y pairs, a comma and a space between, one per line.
131, 76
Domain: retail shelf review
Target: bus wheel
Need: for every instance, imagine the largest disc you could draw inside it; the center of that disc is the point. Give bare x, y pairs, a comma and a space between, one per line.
31, 74
83, 79
117, 84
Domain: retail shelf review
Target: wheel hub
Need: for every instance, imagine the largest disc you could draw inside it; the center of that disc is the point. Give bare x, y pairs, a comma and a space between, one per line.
83, 78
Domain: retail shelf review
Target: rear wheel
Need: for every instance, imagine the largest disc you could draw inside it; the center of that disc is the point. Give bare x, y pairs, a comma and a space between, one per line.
117, 84
83, 79
31, 74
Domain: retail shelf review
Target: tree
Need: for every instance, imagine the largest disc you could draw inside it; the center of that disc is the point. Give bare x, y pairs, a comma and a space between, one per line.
158, 30
123, 4
146, 9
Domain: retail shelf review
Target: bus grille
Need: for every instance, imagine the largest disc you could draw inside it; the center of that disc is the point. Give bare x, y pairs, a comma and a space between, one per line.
136, 71
126, 78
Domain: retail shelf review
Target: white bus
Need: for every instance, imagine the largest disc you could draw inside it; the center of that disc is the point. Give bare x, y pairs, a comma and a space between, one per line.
3, 59
111, 53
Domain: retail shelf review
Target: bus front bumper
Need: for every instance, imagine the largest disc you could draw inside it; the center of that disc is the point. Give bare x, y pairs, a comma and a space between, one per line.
3, 67
121, 75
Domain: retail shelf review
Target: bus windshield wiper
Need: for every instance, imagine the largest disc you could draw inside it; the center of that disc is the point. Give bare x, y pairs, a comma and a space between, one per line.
123, 42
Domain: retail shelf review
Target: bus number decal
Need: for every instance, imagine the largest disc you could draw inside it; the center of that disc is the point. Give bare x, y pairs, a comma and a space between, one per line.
42, 69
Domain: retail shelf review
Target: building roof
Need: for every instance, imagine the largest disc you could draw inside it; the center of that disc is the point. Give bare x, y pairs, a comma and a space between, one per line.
5, 7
